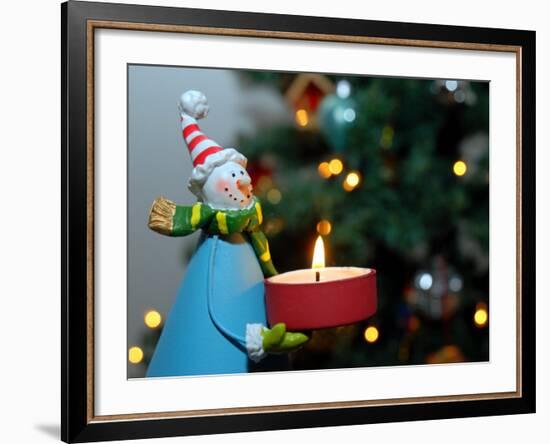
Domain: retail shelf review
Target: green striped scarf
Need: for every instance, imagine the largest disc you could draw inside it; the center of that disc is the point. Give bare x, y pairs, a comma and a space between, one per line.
178, 220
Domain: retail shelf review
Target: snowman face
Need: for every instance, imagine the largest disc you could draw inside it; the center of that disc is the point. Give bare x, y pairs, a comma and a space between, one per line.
228, 187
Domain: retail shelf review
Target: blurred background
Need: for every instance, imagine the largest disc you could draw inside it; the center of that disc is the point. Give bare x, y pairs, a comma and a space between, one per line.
393, 173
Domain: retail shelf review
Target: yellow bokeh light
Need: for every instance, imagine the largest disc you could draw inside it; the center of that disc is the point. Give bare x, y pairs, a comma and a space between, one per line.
351, 181
324, 227
152, 319
324, 170
318, 254
135, 355
274, 196
353, 178
481, 317
460, 168
335, 166
302, 118
371, 334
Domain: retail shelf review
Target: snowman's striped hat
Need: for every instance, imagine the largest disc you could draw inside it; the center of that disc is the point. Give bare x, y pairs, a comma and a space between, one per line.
205, 153
193, 105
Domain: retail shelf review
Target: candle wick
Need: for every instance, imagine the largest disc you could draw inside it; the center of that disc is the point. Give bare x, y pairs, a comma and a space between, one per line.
317, 276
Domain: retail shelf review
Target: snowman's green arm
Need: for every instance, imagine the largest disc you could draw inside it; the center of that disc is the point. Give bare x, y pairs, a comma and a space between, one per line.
261, 248
178, 220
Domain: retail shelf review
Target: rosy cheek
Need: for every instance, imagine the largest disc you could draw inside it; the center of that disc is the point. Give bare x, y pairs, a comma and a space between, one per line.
221, 185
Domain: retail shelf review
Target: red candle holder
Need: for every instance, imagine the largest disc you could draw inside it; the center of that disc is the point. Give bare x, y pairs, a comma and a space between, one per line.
343, 295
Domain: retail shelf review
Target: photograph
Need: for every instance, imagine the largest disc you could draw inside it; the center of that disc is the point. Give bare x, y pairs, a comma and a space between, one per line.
295, 221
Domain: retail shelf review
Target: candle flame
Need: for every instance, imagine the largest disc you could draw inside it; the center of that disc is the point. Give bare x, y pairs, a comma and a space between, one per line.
318, 254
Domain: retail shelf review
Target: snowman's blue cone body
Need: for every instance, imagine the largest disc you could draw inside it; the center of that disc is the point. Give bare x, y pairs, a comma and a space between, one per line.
223, 272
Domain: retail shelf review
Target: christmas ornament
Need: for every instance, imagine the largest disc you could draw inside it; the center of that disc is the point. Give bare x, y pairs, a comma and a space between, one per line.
454, 91
218, 321
337, 115
435, 292
305, 94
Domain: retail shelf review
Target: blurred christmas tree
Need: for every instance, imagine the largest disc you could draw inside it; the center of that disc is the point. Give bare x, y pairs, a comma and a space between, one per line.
394, 173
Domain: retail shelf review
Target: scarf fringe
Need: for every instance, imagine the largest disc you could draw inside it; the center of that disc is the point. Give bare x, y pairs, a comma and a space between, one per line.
161, 217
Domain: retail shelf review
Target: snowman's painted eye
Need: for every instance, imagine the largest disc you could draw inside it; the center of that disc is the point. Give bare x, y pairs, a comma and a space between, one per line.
233, 174
227, 189
242, 172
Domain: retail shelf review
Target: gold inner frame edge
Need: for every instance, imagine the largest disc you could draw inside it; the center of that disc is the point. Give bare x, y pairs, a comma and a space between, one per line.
105, 24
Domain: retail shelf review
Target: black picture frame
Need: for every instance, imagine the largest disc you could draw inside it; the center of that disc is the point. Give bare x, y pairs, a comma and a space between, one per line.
77, 420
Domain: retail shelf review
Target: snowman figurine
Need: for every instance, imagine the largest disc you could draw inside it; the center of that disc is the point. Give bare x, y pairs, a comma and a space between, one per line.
218, 324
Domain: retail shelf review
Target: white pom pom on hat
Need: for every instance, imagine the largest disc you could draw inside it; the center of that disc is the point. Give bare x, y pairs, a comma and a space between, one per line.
194, 104
205, 153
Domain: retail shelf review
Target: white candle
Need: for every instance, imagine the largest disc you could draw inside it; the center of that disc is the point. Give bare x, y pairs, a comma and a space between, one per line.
327, 274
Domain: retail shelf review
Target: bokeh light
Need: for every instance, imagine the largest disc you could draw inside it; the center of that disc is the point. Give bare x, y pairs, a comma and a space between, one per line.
481, 317
351, 181
152, 319
349, 115
371, 334
302, 117
455, 284
135, 355
343, 89
425, 281
451, 85
274, 196
335, 166
324, 170
460, 168
324, 227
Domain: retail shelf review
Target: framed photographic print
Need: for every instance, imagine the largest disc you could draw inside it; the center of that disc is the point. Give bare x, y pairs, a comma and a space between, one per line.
276, 221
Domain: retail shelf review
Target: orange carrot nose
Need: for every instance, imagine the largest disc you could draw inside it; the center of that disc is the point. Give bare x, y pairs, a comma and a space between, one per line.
243, 186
